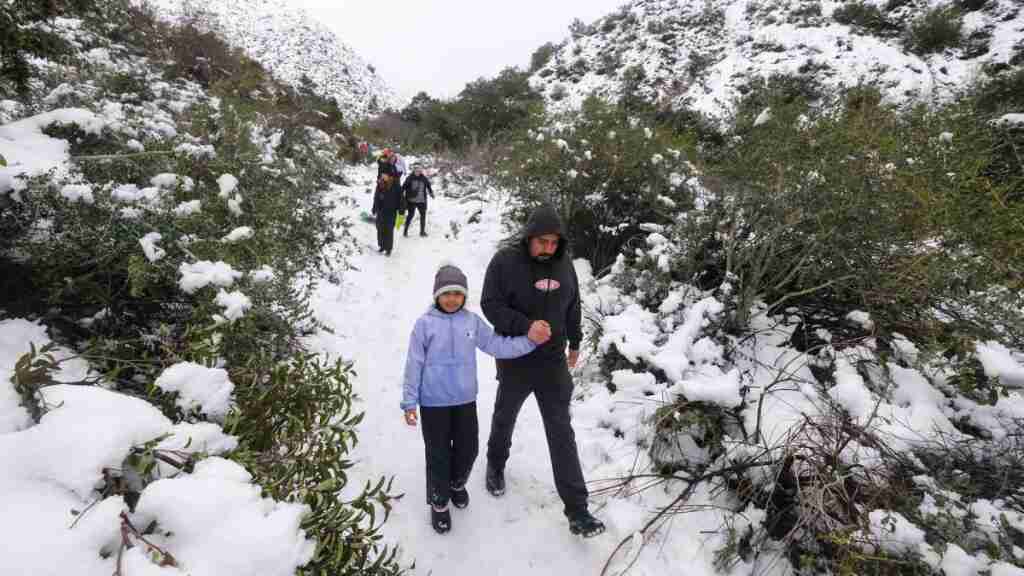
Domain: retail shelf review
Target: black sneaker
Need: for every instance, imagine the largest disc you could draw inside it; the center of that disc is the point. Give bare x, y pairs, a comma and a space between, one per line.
460, 497
440, 520
387, 253
495, 481
584, 524
423, 234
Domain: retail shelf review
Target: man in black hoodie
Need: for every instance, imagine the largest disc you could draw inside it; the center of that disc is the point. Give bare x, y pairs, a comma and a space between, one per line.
527, 281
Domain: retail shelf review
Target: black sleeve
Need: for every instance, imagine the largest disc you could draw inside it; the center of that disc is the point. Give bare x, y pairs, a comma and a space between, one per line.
574, 319
405, 186
506, 320
430, 190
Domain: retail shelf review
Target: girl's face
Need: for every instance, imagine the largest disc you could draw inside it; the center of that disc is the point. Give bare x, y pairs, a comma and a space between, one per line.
450, 302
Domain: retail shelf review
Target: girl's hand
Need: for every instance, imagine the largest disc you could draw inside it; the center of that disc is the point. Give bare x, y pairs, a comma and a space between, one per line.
410, 416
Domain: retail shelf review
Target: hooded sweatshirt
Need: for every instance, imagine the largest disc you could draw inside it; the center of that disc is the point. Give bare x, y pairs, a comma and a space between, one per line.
440, 367
519, 289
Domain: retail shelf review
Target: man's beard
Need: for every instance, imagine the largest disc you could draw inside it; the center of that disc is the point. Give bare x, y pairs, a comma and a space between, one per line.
543, 257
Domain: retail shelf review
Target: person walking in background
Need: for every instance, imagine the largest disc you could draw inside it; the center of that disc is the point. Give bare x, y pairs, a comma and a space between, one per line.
417, 188
440, 378
400, 165
532, 280
384, 163
387, 203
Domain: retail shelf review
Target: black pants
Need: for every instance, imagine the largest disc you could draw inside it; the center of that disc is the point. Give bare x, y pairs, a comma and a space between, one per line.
552, 386
413, 207
451, 439
386, 230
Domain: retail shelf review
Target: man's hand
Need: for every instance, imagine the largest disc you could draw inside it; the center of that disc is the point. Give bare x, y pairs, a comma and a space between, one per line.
540, 332
410, 416
572, 358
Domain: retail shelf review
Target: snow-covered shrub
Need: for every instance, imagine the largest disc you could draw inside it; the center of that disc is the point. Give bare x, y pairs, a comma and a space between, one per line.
171, 236
24, 34
938, 29
607, 175
862, 206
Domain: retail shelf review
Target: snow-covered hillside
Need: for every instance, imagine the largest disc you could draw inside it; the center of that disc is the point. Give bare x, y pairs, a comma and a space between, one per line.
291, 44
702, 53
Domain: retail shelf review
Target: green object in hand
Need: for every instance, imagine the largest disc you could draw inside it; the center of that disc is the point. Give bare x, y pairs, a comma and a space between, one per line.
399, 221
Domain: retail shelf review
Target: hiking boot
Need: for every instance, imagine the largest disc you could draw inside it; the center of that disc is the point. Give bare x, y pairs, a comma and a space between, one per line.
441, 520
387, 252
460, 497
584, 524
495, 481
423, 234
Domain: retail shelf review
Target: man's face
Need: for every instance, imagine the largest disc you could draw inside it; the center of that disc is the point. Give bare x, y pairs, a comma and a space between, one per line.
543, 247
418, 172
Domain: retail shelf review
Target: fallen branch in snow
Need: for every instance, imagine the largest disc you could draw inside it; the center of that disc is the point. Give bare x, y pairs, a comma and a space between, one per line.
692, 484
128, 531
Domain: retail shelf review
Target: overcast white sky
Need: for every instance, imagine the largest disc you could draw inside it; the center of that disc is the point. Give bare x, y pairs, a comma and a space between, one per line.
440, 45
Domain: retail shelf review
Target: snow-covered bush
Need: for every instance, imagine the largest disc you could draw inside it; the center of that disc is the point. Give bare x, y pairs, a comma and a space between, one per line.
171, 235
829, 343
609, 175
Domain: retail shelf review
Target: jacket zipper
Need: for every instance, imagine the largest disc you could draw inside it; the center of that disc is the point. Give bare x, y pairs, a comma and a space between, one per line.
451, 332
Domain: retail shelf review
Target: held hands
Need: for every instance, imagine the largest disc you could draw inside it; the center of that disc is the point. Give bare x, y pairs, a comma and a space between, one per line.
410, 417
540, 332
572, 358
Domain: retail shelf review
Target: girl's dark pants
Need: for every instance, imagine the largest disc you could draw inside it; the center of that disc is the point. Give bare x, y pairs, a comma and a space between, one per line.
450, 436
551, 384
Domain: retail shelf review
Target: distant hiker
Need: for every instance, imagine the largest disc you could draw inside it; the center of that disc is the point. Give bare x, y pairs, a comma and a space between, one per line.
440, 378
417, 188
387, 203
384, 163
532, 280
364, 150
400, 164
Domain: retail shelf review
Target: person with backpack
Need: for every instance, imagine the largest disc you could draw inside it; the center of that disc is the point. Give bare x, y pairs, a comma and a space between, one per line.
440, 378
417, 188
531, 279
387, 203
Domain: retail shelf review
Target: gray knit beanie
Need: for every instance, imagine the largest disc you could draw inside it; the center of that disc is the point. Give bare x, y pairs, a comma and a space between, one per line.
450, 279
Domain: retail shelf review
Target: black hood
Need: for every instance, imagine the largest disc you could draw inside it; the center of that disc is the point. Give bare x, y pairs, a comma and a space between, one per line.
545, 220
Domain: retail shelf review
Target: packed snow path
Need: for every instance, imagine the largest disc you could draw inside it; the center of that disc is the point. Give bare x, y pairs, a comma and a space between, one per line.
373, 312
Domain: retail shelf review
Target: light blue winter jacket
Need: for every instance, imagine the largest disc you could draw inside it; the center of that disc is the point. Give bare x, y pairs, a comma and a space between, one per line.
440, 367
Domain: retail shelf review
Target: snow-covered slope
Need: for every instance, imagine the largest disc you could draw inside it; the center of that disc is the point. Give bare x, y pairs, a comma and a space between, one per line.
291, 44
701, 53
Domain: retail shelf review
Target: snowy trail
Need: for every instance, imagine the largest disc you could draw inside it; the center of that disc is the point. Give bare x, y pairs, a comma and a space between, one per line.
373, 312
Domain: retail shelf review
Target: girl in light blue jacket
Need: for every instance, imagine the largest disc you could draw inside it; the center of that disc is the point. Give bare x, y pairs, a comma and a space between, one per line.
440, 378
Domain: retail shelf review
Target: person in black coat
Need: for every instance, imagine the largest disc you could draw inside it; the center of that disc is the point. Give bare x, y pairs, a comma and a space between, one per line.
387, 202
417, 188
529, 280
